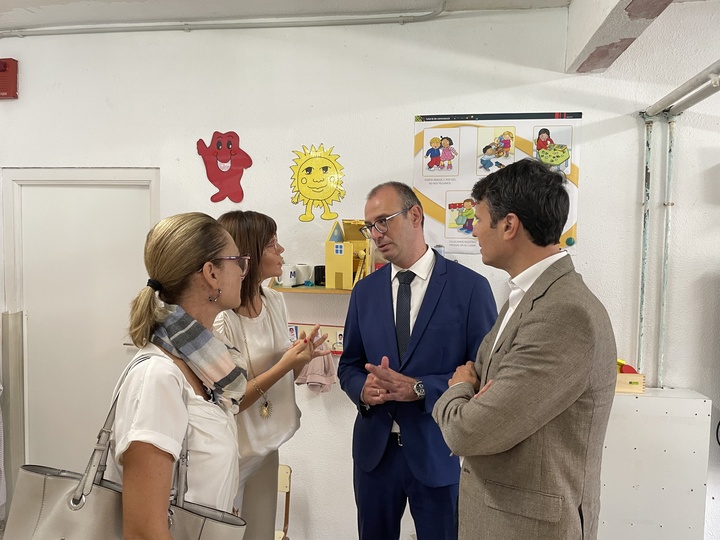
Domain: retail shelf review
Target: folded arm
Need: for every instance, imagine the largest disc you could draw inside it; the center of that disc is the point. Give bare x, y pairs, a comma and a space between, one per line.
545, 370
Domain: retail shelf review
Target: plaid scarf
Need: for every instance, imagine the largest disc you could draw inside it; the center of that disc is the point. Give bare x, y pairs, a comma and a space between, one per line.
217, 364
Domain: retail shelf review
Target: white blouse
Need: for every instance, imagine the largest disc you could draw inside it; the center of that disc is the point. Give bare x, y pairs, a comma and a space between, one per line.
268, 339
158, 406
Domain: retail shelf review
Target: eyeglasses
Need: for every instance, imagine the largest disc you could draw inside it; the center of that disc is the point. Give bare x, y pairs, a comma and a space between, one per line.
243, 261
381, 225
275, 246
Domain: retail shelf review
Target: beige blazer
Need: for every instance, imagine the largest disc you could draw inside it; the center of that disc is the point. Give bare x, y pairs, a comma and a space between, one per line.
533, 442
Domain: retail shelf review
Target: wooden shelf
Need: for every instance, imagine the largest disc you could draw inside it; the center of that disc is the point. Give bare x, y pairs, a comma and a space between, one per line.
315, 289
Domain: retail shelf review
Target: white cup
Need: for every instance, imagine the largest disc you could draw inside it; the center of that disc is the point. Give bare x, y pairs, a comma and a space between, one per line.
304, 273
289, 275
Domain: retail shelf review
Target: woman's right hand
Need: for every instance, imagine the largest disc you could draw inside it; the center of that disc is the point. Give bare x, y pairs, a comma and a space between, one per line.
304, 349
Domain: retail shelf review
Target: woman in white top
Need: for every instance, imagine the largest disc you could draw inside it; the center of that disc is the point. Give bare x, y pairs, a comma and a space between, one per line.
192, 382
259, 330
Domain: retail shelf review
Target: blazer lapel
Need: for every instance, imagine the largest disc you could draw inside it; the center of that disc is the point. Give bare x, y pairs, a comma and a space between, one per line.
433, 292
538, 289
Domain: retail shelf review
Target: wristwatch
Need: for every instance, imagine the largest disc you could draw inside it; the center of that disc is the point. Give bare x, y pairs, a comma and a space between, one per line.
419, 389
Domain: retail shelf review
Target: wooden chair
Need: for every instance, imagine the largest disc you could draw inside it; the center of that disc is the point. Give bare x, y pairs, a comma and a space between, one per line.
284, 474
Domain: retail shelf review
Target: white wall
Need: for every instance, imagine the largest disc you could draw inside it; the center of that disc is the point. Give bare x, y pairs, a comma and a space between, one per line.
139, 100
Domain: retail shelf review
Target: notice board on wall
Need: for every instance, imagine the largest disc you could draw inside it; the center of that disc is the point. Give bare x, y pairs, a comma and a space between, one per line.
452, 152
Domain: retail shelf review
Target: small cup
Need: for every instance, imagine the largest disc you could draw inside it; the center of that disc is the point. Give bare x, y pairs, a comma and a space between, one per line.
320, 276
288, 277
304, 273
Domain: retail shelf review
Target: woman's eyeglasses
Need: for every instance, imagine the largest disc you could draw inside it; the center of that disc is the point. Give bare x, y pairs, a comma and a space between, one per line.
243, 261
275, 246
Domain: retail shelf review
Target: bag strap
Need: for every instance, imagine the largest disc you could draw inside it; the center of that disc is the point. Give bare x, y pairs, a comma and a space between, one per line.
95, 470
98, 460
179, 486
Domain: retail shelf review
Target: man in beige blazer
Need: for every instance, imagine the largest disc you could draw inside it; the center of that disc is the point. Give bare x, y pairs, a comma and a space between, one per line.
529, 416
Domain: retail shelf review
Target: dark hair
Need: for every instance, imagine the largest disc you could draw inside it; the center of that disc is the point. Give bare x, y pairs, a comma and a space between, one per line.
252, 232
448, 139
486, 148
546, 131
408, 199
531, 191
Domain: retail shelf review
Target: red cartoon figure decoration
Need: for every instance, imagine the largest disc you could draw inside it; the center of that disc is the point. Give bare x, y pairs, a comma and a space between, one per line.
225, 163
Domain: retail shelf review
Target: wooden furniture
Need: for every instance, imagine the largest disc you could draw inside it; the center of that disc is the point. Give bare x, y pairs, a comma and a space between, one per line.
284, 474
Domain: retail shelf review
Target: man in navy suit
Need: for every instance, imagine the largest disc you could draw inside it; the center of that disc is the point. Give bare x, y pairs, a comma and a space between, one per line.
394, 380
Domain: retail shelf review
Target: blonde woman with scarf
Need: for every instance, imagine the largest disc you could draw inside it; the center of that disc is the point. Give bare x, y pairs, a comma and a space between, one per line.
192, 383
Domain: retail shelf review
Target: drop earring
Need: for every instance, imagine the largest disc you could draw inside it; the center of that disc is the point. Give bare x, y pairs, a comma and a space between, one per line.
211, 299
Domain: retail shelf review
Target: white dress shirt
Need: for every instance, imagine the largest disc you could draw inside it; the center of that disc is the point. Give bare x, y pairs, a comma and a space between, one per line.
422, 269
520, 284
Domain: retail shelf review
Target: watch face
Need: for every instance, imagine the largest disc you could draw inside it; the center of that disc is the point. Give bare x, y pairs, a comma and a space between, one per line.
419, 389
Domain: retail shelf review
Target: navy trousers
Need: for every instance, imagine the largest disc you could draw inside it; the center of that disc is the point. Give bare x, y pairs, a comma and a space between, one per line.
382, 494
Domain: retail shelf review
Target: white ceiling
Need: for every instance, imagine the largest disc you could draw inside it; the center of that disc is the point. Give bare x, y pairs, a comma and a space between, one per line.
26, 14
599, 31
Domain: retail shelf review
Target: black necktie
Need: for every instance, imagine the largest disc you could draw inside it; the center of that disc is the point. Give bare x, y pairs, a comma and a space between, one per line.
402, 311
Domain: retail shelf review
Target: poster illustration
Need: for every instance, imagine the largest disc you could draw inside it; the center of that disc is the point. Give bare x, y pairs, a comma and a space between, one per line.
452, 152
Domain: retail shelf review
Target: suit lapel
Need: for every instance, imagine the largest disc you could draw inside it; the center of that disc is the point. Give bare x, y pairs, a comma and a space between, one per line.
537, 290
434, 290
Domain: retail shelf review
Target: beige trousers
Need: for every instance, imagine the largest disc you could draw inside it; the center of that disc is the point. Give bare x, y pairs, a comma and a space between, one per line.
259, 497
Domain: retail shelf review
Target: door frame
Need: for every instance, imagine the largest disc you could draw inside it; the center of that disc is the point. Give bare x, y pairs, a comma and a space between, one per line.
13, 181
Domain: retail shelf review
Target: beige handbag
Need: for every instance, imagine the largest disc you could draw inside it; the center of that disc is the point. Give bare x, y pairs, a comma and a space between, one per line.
49, 504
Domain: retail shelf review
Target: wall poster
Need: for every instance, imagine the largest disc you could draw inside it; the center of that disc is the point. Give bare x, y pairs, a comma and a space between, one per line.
452, 152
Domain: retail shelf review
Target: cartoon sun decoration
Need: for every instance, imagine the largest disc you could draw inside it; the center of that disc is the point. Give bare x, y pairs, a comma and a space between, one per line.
317, 181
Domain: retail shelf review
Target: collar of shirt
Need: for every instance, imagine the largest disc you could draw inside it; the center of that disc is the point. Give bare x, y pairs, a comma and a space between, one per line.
422, 268
524, 280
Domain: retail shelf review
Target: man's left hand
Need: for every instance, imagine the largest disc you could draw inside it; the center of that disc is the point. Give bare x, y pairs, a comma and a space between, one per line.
398, 387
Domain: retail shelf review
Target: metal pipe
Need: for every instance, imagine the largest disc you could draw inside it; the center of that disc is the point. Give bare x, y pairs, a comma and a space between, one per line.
644, 247
697, 97
666, 249
291, 22
683, 90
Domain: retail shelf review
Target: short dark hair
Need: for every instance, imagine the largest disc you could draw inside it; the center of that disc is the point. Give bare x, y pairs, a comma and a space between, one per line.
531, 191
408, 198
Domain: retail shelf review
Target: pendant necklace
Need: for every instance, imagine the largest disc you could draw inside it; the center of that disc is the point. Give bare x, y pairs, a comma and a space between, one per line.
266, 407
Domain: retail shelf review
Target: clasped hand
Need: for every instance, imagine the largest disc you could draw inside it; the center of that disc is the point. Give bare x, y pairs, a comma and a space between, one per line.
384, 384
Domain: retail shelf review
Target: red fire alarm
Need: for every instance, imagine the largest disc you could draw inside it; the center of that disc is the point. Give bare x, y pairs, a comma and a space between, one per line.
8, 78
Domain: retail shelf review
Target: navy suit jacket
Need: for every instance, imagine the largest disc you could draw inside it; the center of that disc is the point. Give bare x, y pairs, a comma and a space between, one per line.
457, 311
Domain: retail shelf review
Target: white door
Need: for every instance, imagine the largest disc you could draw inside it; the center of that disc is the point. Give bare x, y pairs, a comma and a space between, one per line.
74, 243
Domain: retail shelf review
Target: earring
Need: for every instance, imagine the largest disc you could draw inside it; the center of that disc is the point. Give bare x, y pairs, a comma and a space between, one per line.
211, 299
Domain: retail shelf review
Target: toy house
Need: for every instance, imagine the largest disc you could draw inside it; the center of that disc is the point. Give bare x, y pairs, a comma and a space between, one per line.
348, 256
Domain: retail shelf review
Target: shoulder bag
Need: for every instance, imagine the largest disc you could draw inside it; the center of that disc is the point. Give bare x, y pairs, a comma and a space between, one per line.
52, 503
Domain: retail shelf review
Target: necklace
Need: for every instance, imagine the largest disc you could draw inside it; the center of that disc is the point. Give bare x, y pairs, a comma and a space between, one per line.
266, 407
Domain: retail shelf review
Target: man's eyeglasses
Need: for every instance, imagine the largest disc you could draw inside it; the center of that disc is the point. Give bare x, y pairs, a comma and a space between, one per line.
243, 261
381, 225
275, 246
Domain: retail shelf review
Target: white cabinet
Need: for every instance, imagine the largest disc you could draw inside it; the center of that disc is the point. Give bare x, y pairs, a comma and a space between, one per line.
655, 465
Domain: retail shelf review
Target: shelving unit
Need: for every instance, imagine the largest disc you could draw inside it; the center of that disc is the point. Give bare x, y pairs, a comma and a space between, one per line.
315, 289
